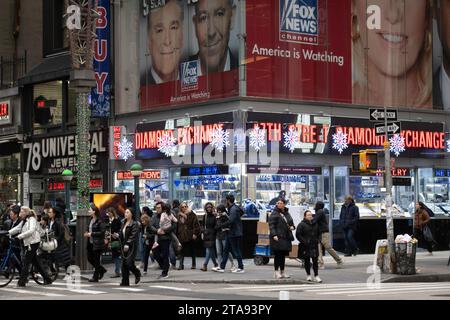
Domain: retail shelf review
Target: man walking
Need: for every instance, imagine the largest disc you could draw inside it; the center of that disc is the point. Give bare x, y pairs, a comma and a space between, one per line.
349, 222
234, 237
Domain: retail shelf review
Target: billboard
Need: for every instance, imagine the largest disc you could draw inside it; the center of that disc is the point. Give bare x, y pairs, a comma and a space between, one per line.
189, 52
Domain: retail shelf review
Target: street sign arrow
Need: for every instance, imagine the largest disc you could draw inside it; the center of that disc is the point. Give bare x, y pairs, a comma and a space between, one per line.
378, 114
392, 128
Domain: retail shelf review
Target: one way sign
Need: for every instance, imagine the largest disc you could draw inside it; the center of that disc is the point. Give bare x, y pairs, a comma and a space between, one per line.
392, 128
378, 115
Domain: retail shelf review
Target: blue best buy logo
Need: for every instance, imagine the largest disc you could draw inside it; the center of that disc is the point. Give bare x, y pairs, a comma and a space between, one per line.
189, 75
299, 21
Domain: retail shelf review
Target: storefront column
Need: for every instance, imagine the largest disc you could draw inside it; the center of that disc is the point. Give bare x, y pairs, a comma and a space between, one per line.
332, 201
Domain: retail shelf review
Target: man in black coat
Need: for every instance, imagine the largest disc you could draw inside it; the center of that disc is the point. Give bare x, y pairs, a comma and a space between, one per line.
348, 219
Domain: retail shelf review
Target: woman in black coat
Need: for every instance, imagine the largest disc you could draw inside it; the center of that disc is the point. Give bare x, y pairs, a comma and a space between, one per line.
114, 228
62, 252
129, 234
308, 249
281, 226
209, 235
96, 244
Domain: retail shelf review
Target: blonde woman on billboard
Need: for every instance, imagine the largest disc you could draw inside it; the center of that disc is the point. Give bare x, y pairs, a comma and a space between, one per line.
392, 65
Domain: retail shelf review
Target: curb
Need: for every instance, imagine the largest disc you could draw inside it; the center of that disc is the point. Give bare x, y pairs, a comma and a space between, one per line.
418, 278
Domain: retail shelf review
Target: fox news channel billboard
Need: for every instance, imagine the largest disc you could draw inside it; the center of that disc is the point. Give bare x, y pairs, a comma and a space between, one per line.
190, 51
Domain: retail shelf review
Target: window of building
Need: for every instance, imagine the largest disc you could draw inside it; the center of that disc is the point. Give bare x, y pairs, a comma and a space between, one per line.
48, 105
54, 30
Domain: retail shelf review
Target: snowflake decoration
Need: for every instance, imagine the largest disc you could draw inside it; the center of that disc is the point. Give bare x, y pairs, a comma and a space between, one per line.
448, 145
290, 139
340, 141
220, 139
125, 149
257, 138
167, 145
397, 144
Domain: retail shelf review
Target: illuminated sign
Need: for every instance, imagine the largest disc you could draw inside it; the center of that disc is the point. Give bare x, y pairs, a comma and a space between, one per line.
147, 174
183, 136
306, 133
5, 112
115, 133
284, 170
202, 171
444, 173
59, 186
299, 21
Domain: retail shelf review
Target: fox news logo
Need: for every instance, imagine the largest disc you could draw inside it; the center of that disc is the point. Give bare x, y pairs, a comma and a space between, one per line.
299, 21
189, 75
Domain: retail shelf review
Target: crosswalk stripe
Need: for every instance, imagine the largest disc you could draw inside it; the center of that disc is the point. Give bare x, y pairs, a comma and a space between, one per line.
31, 292
394, 292
130, 289
381, 287
76, 290
171, 288
65, 284
378, 290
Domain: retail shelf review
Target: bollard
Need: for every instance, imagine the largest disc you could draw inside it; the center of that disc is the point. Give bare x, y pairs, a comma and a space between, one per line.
284, 295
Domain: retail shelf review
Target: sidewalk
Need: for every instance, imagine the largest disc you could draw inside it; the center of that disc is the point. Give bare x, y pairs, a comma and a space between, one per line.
429, 269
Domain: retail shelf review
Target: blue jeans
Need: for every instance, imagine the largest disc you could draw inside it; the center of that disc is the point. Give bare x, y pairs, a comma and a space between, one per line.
210, 254
117, 265
350, 242
233, 244
220, 246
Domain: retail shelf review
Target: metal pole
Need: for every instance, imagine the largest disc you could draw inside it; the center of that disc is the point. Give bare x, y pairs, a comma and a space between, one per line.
388, 184
136, 199
67, 194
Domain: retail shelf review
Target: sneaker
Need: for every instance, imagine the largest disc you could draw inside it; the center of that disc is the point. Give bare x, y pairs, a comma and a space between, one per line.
204, 268
162, 276
238, 271
233, 269
284, 275
309, 278
144, 273
321, 266
317, 279
218, 269
340, 264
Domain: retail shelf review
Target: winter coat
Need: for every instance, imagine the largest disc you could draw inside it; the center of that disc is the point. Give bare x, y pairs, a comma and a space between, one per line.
154, 226
321, 219
349, 216
221, 231
130, 239
97, 235
421, 218
209, 230
28, 231
11, 225
190, 227
234, 222
281, 228
308, 236
62, 252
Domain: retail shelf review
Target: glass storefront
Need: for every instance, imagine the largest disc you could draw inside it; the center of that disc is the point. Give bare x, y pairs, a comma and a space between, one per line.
434, 190
9, 179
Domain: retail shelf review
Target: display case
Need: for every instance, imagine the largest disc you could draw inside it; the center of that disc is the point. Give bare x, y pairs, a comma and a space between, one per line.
434, 190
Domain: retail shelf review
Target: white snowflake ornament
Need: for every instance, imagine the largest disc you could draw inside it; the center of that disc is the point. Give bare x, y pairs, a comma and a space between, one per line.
448, 145
340, 141
397, 144
291, 139
167, 145
220, 139
125, 149
257, 138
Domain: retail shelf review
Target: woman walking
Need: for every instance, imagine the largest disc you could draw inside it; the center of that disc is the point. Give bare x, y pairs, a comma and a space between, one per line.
129, 234
421, 220
281, 225
308, 235
96, 243
209, 235
114, 243
222, 234
62, 252
188, 232
147, 240
28, 232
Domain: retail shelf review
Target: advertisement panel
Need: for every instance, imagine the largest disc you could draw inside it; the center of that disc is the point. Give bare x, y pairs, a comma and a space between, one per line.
299, 49
189, 51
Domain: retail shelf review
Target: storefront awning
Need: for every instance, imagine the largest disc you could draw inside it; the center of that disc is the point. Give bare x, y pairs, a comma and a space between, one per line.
51, 68
9, 147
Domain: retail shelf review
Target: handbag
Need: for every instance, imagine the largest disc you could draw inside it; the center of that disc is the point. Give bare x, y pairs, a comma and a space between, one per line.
48, 245
427, 235
115, 244
290, 235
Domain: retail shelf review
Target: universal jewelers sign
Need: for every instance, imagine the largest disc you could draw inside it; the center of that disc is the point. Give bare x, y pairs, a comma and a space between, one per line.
51, 155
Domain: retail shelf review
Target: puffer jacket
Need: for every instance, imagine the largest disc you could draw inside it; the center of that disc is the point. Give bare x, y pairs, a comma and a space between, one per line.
29, 231
308, 236
281, 228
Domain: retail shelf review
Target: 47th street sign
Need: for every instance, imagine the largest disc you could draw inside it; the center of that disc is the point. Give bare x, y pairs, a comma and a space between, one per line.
378, 115
392, 128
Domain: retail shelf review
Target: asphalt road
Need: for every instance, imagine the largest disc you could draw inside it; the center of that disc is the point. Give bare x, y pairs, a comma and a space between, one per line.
218, 291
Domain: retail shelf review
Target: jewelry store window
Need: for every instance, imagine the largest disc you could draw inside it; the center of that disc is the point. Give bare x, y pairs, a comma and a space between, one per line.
434, 190
48, 106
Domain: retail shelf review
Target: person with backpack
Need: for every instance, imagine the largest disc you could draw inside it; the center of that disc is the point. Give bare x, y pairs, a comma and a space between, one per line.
421, 228
62, 252
281, 226
96, 243
209, 235
188, 232
321, 218
234, 239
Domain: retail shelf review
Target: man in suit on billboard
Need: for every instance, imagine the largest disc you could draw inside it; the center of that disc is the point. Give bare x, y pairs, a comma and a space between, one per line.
213, 21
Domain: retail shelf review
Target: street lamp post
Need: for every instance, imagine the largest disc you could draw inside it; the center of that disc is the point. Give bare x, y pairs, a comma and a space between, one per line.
136, 170
67, 176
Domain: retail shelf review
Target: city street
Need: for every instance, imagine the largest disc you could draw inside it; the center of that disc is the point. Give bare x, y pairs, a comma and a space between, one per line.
257, 283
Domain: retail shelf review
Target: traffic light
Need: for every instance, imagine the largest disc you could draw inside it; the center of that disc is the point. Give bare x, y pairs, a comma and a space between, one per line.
365, 161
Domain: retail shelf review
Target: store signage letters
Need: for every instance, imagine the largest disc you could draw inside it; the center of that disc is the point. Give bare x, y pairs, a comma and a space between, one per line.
116, 133
59, 186
307, 133
5, 112
184, 136
61, 151
442, 173
148, 174
413, 138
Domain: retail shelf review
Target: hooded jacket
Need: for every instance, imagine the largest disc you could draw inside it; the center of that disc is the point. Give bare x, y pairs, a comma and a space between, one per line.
349, 216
